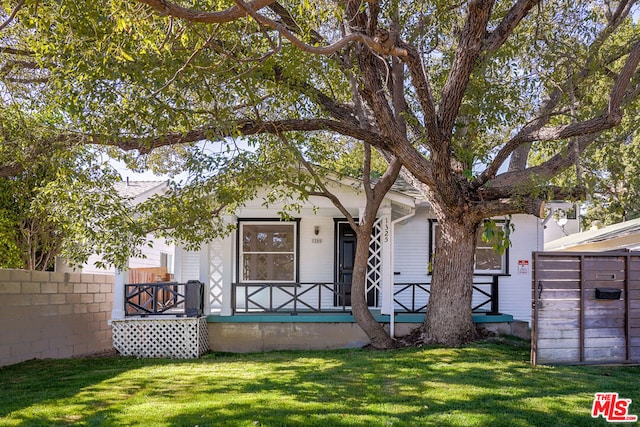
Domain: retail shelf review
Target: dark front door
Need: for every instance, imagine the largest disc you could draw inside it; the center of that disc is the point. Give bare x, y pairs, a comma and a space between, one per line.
346, 254
345, 257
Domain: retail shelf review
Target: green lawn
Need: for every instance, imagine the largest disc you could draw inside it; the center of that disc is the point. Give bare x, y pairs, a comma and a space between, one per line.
482, 384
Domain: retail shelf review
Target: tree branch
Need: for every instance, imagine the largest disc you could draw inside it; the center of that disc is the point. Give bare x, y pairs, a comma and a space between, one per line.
423, 90
320, 183
13, 14
164, 8
466, 54
535, 132
217, 132
494, 40
557, 163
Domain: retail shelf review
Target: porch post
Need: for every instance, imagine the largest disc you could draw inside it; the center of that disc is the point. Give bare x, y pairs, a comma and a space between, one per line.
228, 268
121, 277
203, 275
386, 240
177, 263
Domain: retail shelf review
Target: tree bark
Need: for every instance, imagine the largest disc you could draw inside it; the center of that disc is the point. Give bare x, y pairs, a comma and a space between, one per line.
448, 320
379, 338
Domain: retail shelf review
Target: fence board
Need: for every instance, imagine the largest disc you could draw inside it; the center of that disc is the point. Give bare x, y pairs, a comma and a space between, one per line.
593, 305
614, 341
602, 332
559, 263
558, 275
591, 285
569, 304
562, 294
548, 333
605, 354
560, 323
596, 263
599, 322
549, 284
558, 355
558, 315
634, 290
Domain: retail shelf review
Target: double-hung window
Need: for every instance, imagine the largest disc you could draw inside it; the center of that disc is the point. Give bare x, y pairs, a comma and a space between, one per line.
267, 251
487, 259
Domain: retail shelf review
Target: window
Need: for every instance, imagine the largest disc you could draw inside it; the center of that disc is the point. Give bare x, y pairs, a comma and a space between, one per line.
488, 260
267, 251
166, 260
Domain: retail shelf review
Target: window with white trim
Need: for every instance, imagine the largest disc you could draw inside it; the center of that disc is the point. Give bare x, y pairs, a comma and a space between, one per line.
267, 251
487, 259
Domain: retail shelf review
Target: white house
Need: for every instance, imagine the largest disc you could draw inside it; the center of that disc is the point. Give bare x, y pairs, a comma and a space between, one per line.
286, 284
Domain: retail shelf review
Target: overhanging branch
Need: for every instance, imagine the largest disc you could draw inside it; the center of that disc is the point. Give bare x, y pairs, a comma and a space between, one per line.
242, 128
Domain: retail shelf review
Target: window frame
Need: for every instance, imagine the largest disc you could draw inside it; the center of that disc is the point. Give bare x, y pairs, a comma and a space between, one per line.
505, 256
295, 222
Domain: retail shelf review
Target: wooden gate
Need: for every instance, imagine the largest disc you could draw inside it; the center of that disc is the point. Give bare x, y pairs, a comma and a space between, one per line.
586, 307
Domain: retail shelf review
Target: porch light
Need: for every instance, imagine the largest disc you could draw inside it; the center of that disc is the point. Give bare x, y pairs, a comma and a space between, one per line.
316, 230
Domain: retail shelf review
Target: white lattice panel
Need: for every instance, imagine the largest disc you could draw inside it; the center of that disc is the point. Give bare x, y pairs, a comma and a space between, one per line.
216, 263
374, 263
176, 338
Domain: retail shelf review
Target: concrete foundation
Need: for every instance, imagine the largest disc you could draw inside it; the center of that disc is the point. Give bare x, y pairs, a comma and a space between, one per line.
256, 337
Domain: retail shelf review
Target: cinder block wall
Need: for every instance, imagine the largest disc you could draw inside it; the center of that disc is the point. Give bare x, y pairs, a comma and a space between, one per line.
53, 315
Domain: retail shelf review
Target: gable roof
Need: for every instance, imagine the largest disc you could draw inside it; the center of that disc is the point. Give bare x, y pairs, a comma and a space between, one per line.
624, 235
139, 190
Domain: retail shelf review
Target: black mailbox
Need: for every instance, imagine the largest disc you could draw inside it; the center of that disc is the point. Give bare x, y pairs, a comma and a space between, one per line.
608, 293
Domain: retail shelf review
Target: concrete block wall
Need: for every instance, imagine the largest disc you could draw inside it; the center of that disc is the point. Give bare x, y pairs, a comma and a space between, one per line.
53, 315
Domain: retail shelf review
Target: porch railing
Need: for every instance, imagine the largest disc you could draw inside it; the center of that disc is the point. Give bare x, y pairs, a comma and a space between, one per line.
315, 297
413, 297
328, 297
165, 298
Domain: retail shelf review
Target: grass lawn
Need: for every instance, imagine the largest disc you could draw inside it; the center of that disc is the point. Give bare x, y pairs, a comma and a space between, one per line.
481, 384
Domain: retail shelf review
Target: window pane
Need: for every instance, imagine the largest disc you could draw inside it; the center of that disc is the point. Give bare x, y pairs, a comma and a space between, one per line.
488, 259
268, 238
268, 267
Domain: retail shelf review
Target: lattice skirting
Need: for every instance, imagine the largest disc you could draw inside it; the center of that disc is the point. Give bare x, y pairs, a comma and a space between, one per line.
177, 338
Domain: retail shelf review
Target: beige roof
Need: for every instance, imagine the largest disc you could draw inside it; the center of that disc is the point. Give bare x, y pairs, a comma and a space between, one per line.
624, 235
139, 189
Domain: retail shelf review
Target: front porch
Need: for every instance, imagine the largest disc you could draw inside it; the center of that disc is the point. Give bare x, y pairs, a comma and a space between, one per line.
158, 317
334, 298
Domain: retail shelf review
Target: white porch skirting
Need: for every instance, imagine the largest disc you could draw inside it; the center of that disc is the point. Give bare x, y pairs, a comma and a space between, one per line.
176, 338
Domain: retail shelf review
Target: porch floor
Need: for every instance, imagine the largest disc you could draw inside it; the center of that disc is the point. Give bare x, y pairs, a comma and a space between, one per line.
342, 318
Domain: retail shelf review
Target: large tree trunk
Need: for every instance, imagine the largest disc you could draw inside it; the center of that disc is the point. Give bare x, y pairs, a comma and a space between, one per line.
448, 320
380, 339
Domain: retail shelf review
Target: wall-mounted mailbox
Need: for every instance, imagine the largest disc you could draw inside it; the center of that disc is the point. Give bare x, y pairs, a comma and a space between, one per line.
608, 293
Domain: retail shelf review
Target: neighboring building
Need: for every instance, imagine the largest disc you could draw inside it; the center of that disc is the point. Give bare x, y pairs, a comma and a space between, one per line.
156, 259
276, 284
563, 219
621, 236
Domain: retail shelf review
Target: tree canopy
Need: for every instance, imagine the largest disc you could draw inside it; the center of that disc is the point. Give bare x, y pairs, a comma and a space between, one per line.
482, 102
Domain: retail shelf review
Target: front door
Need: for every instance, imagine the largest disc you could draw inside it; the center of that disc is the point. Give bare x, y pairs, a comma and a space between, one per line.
345, 257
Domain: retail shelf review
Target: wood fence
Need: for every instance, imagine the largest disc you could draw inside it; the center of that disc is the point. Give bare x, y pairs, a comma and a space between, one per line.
586, 307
